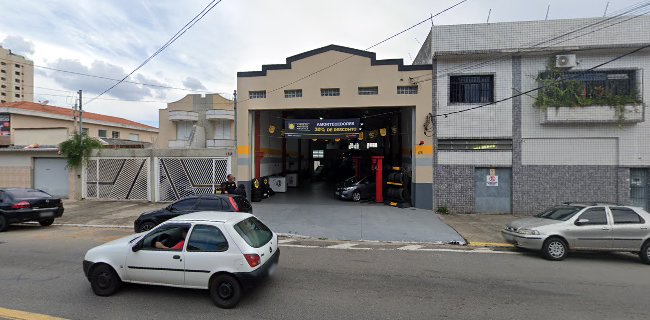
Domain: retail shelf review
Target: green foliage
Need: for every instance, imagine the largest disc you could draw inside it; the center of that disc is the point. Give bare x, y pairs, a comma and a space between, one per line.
442, 210
559, 90
77, 149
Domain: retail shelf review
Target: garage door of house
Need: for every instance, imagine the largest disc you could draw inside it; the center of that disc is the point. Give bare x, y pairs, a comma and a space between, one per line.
51, 176
493, 190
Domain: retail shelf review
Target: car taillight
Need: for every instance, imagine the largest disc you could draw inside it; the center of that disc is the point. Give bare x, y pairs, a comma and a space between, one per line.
252, 259
21, 205
234, 204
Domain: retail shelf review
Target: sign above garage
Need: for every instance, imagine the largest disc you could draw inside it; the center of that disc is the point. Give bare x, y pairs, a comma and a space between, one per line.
321, 128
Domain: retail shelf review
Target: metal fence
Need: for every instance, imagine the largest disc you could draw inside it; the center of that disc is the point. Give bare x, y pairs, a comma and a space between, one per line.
180, 177
117, 179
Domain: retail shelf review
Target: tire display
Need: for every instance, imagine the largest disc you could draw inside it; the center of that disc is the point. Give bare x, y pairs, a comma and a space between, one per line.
397, 192
256, 192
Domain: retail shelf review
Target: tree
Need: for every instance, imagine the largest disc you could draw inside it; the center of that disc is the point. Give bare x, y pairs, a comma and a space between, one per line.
77, 149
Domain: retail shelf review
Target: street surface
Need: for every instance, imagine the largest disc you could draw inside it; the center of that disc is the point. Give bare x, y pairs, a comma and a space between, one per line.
41, 272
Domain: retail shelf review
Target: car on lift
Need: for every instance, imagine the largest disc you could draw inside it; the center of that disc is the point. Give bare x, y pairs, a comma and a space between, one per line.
204, 202
21, 205
583, 226
217, 251
355, 188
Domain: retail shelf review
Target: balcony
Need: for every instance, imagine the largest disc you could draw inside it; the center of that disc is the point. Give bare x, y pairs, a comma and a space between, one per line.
178, 144
594, 114
183, 116
220, 143
214, 114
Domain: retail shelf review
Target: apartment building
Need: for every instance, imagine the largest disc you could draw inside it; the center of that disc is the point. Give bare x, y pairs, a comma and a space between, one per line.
16, 77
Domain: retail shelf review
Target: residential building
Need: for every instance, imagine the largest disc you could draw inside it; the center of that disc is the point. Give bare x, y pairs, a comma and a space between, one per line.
197, 121
16, 77
29, 138
501, 148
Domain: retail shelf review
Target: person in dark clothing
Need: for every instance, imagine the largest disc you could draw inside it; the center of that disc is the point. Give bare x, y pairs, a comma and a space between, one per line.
229, 186
241, 190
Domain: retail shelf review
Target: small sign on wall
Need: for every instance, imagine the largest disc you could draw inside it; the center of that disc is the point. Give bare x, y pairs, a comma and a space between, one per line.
492, 181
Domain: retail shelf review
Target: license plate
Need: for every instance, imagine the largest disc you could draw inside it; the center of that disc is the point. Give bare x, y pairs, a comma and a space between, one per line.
46, 214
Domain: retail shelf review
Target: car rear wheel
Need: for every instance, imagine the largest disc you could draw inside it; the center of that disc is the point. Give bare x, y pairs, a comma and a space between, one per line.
225, 291
104, 281
554, 249
356, 196
46, 223
3, 223
146, 226
644, 254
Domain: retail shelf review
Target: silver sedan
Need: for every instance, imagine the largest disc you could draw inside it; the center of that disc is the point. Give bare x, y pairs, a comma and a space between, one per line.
573, 226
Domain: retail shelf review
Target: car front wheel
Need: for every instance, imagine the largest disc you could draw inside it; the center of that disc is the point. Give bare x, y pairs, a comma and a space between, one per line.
645, 253
146, 226
356, 196
104, 281
47, 222
554, 249
225, 291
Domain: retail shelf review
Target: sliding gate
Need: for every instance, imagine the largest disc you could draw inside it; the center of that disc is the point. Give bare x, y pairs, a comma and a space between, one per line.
180, 177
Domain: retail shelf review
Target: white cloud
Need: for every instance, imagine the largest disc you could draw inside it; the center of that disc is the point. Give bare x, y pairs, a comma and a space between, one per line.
193, 83
18, 45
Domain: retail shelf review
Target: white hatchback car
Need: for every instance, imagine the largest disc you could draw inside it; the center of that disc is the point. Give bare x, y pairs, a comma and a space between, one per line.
218, 251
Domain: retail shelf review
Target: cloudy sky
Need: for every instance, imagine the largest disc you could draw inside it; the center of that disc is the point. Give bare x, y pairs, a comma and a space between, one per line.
109, 38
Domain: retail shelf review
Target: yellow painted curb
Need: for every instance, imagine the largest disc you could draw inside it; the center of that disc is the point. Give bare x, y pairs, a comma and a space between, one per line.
490, 244
23, 315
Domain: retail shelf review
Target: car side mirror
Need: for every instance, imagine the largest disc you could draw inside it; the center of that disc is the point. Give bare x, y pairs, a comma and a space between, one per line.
137, 246
582, 222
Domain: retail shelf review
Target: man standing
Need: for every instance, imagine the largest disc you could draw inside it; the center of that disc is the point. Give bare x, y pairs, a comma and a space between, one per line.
229, 186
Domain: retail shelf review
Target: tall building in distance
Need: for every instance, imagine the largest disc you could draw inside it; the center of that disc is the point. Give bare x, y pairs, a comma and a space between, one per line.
16, 77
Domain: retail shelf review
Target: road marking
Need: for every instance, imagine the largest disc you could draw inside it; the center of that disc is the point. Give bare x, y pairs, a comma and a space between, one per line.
412, 247
24, 315
491, 244
283, 241
345, 245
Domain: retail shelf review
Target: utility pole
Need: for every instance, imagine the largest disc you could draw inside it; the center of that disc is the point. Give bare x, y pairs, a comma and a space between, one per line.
81, 112
235, 115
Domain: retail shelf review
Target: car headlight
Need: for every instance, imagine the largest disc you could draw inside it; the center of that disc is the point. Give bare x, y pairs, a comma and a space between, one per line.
528, 231
349, 188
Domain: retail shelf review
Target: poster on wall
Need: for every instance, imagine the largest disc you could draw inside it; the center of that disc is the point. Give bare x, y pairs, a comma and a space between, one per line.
324, 129
5, 125
492, 181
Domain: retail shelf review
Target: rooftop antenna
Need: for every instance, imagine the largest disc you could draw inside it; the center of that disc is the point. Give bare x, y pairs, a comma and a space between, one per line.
489, 13
416, 39
547, 10
431, 19
606, 7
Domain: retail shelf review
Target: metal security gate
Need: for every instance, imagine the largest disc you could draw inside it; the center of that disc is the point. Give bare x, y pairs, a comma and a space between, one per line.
51, 176
180, 177
639, 188
493, 190
117, 179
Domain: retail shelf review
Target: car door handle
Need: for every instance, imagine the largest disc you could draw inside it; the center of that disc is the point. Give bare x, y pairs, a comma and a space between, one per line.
176, 257
644, 228
606, 228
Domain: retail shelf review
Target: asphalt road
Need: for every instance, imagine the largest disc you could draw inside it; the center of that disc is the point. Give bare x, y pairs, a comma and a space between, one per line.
40, 271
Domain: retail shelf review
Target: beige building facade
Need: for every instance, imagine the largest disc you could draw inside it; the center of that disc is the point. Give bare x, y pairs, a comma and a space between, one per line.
16, 77
351, 83
196, 122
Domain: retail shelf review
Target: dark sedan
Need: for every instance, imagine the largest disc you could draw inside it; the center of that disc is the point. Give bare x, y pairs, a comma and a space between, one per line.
355, 189
20, 205
206, 202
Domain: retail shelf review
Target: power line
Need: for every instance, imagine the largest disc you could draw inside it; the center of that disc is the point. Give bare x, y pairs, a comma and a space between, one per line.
173, 39
541, 87
113, 79
374, 45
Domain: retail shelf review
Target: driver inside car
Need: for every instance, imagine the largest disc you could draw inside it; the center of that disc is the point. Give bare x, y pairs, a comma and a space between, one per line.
178, 246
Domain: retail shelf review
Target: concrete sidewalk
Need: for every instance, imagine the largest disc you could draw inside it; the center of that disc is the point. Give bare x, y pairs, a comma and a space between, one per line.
480, 229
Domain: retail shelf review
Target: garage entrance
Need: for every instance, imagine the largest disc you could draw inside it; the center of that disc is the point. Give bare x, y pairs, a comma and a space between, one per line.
51, 176
313, 166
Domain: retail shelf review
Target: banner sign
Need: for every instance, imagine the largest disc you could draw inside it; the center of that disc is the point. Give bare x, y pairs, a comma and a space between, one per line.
5, 125
324, 129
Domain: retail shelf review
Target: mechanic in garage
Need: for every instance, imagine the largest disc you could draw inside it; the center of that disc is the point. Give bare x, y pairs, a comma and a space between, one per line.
229, 186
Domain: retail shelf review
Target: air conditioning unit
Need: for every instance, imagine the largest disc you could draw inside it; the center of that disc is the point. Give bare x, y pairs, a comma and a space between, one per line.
565, 61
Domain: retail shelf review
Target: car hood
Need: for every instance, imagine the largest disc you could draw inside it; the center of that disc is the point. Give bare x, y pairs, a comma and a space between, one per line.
121, 242
531, 222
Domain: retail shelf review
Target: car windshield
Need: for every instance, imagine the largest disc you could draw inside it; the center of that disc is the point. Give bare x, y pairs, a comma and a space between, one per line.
351, 180
562, 213
22, 194
254, 232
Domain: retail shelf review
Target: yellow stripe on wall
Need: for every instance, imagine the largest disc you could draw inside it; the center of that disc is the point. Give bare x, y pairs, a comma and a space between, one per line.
242, 150
423, 150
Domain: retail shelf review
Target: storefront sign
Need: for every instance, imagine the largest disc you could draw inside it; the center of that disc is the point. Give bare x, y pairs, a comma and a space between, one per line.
326, 128
5, 125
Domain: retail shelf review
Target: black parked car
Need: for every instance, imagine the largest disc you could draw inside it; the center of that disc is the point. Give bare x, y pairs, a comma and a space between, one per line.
205, 202
355, 188
20, 205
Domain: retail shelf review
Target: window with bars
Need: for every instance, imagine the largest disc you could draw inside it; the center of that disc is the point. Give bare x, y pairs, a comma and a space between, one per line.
330, 92
84, 131
115, 134
471, 89
368, 91
297, 93
407, 89
101, 133
261, 94
600, 83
